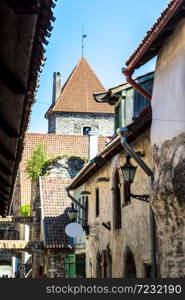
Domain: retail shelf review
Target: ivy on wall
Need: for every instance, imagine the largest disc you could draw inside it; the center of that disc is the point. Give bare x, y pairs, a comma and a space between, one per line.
24, 211
35, 163
38, 163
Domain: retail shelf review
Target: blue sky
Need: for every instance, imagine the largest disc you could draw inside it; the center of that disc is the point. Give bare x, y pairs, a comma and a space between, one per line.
114, 29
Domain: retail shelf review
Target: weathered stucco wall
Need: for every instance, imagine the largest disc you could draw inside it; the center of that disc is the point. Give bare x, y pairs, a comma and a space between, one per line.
168, 105
168, 140
135, 231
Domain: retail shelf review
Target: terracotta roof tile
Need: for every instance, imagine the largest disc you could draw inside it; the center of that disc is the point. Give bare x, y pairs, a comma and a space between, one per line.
55, 144
54, 205
77, 93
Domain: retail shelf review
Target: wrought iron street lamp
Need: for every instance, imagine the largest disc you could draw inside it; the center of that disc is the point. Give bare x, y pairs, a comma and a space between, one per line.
72, 213
129, 172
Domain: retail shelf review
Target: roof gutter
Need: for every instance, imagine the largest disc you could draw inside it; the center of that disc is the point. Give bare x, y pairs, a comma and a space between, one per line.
135, 85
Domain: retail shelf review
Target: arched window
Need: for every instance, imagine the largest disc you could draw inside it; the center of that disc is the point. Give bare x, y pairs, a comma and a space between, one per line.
130, 267
98, 266
117, 201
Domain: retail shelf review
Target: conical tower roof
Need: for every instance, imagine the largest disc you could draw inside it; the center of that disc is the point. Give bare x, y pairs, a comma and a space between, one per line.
77, 92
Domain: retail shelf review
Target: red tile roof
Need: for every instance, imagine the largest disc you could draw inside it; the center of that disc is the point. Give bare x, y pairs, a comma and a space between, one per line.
153, 33
141, 124
77, 93
55, 144
54, 206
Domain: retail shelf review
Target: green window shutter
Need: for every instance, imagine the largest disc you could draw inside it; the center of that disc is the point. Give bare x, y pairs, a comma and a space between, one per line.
70, 266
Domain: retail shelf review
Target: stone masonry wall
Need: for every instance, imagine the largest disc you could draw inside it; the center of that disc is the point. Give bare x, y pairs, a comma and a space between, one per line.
169, 205
55, 263
135, 231
168, 142
73, 123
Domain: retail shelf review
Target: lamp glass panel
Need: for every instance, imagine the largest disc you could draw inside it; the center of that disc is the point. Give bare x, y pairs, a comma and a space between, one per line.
132, 174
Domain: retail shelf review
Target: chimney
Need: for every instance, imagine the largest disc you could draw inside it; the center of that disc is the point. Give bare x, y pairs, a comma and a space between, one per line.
56, 86
93, 145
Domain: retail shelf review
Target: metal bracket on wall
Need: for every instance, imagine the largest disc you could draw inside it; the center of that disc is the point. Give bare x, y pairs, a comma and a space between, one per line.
143, 197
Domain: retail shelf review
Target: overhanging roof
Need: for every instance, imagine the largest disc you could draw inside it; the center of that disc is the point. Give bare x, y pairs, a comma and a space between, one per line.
110, 96
154, 38
24, 28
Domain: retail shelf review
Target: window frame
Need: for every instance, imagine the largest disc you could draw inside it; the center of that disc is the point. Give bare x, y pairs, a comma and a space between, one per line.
117, 200
97, 202
86, 126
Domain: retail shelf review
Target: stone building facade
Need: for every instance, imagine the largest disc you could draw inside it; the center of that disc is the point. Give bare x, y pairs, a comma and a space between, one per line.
118, 243
49, 207
166, 41
76, 123
119, 236
73, 110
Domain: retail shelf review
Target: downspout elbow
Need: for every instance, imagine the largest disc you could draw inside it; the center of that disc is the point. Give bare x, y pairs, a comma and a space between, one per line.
135, 85
74, 200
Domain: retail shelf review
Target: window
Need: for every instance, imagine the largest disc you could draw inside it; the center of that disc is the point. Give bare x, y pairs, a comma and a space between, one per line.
1, 234
97, 202
130, 267
86, 130
147, 270
117, 201
86, 210
119, 114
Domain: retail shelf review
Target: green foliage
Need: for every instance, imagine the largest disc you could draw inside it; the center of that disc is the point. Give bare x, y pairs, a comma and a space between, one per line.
38, 163
24, 210
35, 164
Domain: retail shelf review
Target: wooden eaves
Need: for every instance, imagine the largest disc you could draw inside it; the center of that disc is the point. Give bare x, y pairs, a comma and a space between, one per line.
25, 26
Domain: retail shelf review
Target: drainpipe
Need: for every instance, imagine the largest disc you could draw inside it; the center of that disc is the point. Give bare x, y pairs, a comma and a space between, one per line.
135, 85
148, 171
74, 200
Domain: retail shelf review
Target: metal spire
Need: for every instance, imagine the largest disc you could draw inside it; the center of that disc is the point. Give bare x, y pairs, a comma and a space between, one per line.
83, 36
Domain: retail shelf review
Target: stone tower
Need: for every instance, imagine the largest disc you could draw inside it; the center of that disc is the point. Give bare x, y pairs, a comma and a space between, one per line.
74, 110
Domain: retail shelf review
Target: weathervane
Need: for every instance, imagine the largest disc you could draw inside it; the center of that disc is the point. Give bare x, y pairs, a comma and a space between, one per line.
83, 37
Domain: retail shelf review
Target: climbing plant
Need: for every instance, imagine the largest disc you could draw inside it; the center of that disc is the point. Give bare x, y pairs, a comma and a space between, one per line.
38, 163
24, 210
35, 163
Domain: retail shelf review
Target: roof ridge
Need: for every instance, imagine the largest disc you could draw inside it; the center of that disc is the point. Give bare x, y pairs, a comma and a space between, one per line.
77, 93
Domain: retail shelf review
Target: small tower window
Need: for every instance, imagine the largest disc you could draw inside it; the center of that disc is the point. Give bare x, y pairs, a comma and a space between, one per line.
86, 130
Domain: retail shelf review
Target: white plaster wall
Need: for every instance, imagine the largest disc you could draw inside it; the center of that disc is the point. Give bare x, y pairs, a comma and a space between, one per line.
168, 101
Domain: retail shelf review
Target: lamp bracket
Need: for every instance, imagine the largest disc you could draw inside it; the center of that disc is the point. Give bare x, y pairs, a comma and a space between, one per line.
107, 225
143, 197
101, 179
85, 193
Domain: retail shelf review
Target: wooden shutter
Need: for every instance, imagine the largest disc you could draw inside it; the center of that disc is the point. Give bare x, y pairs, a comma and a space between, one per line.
70, 266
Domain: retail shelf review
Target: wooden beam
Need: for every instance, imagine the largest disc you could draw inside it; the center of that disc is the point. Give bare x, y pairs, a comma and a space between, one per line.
23, 6
3, 190
5, 169
9, 78
6, 153
4, 181
7, 128
5, 196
